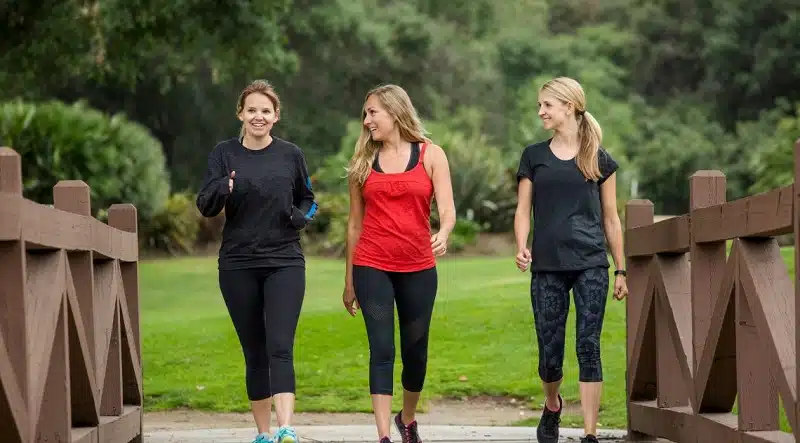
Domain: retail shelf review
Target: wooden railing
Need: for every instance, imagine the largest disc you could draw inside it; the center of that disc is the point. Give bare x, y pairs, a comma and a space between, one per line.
708, 329
70, 349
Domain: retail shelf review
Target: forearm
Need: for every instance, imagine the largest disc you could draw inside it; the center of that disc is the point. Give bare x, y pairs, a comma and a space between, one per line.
447, 220
353, 233
522, 227
212, 197
613, 229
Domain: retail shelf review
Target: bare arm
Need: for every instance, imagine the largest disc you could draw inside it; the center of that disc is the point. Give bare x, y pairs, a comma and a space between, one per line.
522, 216
353, 229
442, 188
611, 222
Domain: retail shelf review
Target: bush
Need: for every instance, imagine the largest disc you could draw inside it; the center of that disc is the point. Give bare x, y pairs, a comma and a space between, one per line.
119, 159
173, 228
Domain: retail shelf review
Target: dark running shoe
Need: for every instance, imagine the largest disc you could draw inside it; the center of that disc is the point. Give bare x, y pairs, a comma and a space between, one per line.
408, 432
589, 439
385, 440
547, 431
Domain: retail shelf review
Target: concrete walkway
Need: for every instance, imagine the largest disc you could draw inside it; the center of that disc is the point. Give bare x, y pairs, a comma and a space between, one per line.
367, 434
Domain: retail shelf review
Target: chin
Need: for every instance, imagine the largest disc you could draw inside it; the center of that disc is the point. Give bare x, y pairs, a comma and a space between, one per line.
375, 138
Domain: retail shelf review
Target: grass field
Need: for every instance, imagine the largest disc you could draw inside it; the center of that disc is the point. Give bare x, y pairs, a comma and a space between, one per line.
482, 341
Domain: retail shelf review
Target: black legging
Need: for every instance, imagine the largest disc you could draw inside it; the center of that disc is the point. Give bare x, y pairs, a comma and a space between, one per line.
414, 292
264, 305
550, 300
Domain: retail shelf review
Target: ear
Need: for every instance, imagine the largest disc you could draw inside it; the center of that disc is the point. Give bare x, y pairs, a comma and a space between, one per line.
239, 116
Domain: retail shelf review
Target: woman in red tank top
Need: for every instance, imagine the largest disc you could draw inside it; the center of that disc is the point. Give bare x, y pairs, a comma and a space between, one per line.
394, 174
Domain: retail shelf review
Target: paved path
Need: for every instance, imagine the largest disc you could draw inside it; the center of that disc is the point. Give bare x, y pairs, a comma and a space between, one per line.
366, 434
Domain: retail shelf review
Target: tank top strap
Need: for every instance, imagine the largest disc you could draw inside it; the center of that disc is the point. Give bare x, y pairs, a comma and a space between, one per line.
422, 147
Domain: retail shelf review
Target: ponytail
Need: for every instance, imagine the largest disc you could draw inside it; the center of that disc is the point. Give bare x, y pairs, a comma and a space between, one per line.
590, 135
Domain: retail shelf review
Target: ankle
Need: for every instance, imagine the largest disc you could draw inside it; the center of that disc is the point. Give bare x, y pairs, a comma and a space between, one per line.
553, 403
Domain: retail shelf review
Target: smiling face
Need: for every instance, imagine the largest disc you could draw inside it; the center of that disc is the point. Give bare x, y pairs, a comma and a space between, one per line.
378, 121
258, 115
554, 112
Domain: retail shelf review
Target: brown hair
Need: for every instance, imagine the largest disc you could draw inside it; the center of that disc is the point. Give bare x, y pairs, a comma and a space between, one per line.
397, 103
590, 135
260, 87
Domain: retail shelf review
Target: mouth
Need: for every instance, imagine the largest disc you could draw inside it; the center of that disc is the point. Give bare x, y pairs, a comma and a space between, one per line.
258, 125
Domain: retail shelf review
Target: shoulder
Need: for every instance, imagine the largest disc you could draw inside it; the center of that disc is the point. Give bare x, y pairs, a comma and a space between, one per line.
289, 147
434, 151
535, 150
223, 147
605, 158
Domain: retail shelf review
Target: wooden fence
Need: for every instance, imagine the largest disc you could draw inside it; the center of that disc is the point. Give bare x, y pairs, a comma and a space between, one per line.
70, 349
708, 329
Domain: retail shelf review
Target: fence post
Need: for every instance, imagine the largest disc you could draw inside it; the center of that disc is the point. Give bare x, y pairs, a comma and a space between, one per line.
708, 188
796, 241
637, 213
12, 296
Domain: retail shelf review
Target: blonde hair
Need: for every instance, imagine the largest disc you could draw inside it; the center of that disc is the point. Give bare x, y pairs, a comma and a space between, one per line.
590, 135
260, 87
397, 103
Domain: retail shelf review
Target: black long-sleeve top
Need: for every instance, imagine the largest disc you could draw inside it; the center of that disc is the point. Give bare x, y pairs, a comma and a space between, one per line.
272, 200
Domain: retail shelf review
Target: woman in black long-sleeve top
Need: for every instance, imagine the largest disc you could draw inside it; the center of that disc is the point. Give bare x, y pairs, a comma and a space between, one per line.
262, 182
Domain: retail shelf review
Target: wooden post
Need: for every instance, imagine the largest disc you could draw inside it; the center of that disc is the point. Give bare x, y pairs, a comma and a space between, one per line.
13, 309
796, 198
74, 196
637, 213
708, 188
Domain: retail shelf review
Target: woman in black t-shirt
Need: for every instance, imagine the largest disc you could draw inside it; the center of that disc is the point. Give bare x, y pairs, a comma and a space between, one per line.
569, 181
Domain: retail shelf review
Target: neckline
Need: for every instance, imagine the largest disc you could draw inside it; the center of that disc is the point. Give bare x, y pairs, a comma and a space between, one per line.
240, 142
405, 171
550, 150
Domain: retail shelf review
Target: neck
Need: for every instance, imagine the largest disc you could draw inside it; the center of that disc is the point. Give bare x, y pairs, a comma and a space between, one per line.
394, 143
251, 142
567, 134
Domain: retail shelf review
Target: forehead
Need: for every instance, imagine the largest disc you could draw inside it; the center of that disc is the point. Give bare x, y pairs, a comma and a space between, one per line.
257, 100
373, 102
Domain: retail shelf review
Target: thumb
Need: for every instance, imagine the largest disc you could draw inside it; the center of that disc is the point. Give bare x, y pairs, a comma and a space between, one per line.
233, 174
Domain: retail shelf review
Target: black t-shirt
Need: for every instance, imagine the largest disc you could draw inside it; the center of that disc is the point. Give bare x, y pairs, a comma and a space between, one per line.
271, 202
568, 229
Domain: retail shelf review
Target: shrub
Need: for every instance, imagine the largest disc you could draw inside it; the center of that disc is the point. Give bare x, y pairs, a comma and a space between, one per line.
118, 158
173, 228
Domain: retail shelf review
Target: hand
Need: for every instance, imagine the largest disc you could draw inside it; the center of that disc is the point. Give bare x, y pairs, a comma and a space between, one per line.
230, 181
349, 300
524, 259
620, 287
439, 243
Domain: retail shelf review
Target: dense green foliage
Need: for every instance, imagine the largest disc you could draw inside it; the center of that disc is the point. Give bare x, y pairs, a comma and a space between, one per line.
676, 85
119, 159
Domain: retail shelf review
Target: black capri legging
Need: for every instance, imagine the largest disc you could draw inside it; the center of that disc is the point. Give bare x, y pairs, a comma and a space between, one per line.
414, 293
264, 305
550, 300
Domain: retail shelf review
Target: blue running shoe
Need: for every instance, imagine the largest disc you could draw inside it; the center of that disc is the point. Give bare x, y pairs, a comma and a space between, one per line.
286, 434
264, 438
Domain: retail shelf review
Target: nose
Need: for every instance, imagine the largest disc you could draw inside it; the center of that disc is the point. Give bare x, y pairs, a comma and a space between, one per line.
366, 120
541, 112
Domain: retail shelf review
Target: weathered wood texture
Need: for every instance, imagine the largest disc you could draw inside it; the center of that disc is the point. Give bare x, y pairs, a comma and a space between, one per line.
70, 350
709, 329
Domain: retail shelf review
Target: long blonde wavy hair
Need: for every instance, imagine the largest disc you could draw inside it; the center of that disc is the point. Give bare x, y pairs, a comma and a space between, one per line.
397, 103
590, 135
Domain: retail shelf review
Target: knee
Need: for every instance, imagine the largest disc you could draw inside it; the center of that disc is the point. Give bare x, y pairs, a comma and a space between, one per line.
589, 361
550, 371
381, 352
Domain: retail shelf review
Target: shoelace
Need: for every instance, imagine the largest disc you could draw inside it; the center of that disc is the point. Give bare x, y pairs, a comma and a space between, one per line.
412, 436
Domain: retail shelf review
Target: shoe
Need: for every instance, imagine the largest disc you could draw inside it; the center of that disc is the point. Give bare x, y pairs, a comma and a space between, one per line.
408, 432
589, 439
286, 434
263, 438
547, 431
385, 440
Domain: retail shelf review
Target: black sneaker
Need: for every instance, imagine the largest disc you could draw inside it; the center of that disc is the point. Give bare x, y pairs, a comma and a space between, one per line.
408, 432
385, 440
547, 431
589, 439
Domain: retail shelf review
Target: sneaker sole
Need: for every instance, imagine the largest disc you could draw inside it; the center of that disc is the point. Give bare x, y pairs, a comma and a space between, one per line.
288, 440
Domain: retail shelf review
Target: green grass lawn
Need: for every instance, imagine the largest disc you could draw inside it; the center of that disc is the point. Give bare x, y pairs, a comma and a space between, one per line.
482, 341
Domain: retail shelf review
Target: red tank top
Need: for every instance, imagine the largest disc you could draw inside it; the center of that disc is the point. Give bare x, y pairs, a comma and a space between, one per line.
396, 231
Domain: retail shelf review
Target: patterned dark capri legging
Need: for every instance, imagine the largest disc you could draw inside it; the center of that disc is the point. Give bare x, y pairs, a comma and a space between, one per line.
550, 300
